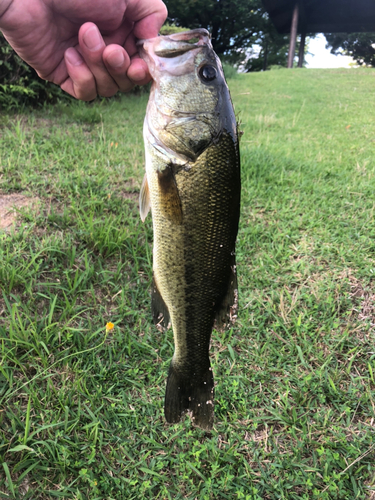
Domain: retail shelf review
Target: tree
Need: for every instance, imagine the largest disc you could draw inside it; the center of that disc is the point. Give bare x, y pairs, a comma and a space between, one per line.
360, 46
271, 49
19, 83
236, 26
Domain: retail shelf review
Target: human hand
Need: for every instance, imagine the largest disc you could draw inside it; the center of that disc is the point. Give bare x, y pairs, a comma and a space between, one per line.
63, 41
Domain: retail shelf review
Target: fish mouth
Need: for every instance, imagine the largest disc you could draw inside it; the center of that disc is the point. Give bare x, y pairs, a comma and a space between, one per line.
171, 53
179, 43
176, 44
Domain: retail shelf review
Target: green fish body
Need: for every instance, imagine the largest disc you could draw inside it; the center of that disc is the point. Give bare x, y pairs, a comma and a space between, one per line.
192, 185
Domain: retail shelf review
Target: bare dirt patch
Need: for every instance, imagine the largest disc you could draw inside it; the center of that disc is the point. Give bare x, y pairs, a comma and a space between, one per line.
9, 206
130, 189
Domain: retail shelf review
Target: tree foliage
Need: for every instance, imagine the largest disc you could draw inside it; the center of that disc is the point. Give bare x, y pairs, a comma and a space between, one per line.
360, 46
19, 83
241, 30
271, 49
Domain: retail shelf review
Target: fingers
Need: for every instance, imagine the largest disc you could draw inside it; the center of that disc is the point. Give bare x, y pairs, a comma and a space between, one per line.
80, 83
110, 64
138, 72
96, 69
117, 62
92, 46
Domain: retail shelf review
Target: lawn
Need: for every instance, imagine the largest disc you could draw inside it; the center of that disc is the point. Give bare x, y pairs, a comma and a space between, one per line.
81, 406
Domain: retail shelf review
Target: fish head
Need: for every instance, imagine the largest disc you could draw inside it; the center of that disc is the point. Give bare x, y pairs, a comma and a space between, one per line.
185, 111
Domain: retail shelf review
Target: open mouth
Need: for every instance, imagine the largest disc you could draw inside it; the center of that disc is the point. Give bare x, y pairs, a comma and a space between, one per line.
178, 44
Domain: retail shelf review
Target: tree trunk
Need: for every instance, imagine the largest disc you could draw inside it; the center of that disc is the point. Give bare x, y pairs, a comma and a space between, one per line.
293, 36
265, 56
301, 54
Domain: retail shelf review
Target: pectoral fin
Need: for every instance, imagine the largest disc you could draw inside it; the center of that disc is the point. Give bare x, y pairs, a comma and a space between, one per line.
169, 195
144, 199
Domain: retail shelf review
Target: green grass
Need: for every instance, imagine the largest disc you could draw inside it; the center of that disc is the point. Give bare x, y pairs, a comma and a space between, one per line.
81, 409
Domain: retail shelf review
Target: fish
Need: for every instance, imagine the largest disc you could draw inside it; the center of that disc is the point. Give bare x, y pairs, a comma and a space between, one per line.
192, 187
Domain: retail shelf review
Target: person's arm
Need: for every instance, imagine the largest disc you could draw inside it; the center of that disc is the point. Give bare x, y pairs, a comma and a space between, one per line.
85, 46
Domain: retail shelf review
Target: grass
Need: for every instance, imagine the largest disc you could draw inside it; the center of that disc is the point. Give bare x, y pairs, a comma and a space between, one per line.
81, 408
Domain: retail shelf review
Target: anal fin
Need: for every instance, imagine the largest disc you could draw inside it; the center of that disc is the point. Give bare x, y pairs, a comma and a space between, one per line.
226, 314
160, 313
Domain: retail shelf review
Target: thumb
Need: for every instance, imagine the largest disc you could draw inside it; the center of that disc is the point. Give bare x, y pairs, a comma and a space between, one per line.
148, 17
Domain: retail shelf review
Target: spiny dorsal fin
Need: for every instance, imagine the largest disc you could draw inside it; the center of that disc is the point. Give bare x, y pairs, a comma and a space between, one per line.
144, 199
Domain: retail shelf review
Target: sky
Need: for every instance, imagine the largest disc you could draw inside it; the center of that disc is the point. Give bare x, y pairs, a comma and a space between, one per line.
320, 57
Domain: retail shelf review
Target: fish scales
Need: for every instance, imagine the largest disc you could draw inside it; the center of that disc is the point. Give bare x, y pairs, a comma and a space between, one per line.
192, 185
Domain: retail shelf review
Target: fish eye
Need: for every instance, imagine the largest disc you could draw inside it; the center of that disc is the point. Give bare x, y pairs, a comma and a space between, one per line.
207, 73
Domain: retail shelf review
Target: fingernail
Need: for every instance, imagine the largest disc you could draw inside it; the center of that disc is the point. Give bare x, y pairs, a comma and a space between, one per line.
92, 38
116, 59
73, 57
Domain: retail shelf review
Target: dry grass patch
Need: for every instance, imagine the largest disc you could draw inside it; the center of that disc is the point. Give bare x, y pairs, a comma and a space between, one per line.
365, 297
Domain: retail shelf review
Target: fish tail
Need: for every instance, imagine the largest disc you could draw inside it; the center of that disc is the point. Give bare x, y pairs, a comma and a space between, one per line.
202, 401
190, 394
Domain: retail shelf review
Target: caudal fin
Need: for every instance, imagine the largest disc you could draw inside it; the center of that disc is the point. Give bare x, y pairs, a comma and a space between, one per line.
190, 394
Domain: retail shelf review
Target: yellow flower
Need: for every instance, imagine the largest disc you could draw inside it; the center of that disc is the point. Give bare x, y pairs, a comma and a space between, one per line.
109, 326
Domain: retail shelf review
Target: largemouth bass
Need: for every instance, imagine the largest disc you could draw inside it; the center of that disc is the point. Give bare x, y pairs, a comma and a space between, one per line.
192, 185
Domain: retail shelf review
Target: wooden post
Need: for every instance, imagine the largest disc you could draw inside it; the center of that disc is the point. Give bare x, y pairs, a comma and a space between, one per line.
293, 36
301, 54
